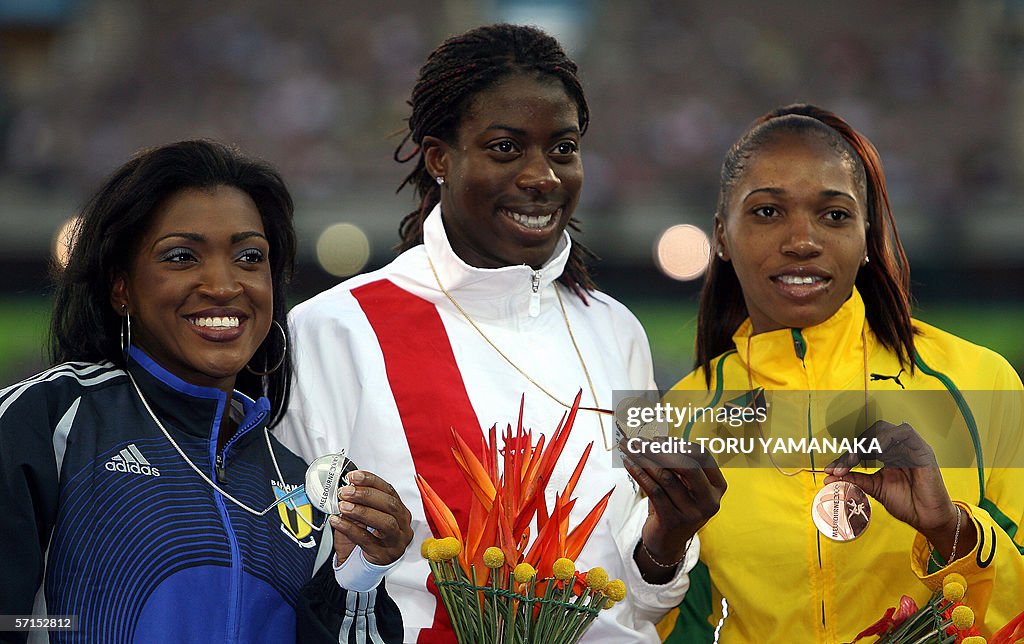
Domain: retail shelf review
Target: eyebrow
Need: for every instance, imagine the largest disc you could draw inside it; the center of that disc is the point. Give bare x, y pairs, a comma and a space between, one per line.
521, 132
782, 191
237, 237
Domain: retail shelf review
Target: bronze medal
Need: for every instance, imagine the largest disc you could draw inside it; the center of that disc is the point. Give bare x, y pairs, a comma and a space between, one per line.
841, 511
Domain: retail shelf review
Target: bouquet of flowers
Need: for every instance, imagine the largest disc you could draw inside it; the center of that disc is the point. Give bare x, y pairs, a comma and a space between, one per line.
944, 619
496, 585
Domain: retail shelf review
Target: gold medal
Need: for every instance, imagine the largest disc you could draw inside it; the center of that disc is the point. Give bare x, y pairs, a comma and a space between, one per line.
841, 511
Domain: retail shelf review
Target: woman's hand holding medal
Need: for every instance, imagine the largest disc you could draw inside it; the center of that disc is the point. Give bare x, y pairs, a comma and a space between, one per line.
909, 485
373, 517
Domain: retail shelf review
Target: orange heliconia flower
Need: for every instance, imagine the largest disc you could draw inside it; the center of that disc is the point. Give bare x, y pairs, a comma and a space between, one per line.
507, 500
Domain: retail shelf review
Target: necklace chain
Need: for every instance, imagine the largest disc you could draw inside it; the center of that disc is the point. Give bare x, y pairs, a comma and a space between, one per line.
760, 431
572, 337
202, 475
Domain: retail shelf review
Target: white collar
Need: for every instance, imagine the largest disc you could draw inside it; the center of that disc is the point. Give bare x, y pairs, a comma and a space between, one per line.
487, 283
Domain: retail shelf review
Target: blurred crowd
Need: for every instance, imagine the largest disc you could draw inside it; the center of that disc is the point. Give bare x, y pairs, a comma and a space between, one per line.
319, 89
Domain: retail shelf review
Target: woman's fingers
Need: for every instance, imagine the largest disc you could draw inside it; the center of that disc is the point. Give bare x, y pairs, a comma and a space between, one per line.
897, 446
373, 517
678, 483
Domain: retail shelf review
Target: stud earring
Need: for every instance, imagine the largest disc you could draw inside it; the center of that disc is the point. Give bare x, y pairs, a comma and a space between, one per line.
721, 254
866, 259
439, 180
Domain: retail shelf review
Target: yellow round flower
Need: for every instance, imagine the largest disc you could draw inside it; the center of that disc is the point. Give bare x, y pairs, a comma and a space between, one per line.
974, 639
597, 578
955, 577
447, 548
563, 569
608, 603
963, 617
524, 572
494, 558
425, 547
953, 591
434, 550
615, 590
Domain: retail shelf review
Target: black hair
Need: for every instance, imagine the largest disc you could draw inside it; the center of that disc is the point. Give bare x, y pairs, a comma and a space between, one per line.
454, 74
84, 325
884, 282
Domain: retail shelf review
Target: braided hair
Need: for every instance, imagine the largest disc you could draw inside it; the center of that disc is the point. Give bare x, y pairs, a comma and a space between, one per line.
454, 74
884, 283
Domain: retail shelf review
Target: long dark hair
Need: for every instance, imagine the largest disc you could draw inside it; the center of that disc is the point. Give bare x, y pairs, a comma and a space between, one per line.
84, 325
459, 69
884, 282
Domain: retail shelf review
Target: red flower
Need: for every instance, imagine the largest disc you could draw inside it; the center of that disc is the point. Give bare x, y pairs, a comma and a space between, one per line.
1012, 633
907, 608
891, 619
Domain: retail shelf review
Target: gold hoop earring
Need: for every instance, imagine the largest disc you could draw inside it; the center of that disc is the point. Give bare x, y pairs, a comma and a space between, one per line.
284, 353
126, 330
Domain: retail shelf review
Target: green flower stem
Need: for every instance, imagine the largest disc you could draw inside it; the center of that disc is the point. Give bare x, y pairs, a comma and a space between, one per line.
531, 627
471, 596
917, 624
447, 596
580, 618
546, 610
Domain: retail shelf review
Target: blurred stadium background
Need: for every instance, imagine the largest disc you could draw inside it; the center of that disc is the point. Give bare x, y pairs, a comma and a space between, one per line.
319, 89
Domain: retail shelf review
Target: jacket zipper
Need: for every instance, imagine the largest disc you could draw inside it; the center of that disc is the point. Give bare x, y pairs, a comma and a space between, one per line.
222, 476
800, 348
234, 612
535, 297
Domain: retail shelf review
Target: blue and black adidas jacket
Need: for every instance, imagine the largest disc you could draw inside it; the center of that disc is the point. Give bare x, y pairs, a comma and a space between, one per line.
101, 518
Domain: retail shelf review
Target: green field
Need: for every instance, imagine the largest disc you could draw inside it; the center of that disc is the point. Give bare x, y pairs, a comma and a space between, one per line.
23, 328
670, 327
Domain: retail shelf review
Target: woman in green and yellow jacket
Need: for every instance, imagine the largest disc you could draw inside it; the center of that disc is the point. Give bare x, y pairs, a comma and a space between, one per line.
805, 317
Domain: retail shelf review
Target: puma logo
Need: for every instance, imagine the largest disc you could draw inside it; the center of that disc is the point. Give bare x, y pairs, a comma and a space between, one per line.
896, 378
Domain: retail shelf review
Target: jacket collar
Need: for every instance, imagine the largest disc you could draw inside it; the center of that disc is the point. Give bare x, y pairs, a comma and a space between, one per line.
189, 408
829, 355
470, 285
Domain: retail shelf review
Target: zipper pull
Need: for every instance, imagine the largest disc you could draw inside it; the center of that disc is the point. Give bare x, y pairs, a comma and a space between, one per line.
219, 468
535, 298
799, 344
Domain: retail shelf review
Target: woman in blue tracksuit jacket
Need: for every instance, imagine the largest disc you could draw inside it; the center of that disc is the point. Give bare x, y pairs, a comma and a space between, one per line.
138, 478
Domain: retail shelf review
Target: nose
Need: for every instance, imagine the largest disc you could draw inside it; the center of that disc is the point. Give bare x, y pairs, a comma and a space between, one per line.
537, 174
801, 239
219, 282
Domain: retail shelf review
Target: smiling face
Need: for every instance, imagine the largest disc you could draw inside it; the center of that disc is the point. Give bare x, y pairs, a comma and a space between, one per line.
513, 175
199, 289
794, 228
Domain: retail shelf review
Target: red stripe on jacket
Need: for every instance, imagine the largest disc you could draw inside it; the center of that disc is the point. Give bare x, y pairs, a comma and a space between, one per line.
431, 397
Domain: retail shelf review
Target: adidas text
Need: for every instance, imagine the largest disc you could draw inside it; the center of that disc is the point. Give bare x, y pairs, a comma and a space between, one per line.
131, 460
133, 468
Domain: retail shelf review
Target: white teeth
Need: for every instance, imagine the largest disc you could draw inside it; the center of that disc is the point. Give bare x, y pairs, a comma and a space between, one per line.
797, 279
216, 322
532, 221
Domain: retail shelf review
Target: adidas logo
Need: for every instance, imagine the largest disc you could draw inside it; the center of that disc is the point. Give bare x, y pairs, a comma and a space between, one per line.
131, 460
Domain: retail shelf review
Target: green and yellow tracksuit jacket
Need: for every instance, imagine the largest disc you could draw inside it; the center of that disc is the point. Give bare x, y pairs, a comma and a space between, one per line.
766, 573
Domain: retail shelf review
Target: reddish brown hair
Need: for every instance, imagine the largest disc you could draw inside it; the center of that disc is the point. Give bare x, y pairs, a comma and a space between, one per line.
884, 282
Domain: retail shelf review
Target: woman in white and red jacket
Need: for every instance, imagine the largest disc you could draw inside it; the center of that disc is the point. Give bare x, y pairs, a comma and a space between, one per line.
490, 302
